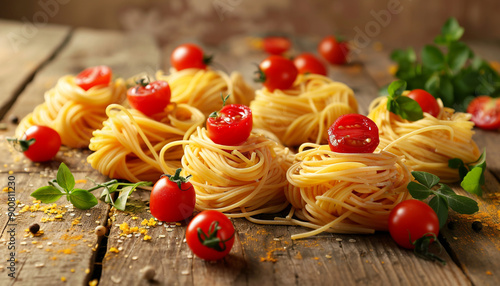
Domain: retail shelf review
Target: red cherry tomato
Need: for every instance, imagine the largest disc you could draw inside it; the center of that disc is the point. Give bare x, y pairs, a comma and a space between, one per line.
308, 63
412, 218
39, 143
188, 56
353, 133
277, 72
335, 52
149, 97
94, 76
172, 198
427, 102
276, 45
210, 235
485, 112
230, 126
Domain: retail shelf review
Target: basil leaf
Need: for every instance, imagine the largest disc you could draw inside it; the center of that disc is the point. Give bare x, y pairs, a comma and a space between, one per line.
440, 206
451, 30
455, 163
47, 194
404, 56
446, 190
419, 191
446, 91
409, 109
396, 88
462, 204
64, 178
432, 84
458, 54
82, 199
427, 179
473, 181
433, 58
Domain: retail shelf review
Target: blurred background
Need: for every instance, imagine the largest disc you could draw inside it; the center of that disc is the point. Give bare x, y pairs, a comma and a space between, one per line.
395, 23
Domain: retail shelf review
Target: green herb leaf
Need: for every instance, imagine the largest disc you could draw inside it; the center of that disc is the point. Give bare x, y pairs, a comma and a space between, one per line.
65, 178
422, 248
472, 181
419, 191
427, 179
121, 201
440, 206
455, 163
404, 56
433, 58
47, 194
82, 199
458, 54
409, 109
451, 31
396, 88
462, 204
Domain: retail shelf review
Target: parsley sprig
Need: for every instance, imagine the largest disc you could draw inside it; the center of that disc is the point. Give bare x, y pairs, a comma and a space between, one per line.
403, 106
64, 185
443, 197
456, 75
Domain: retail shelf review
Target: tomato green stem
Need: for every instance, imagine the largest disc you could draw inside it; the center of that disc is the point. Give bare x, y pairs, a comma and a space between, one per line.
178, 179
212, 240
261, 76
21, 145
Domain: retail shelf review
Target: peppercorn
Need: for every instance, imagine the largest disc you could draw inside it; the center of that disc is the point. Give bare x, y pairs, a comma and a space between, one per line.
100, 230
148, 273
452, 225
34, 228
14, 119
477, 226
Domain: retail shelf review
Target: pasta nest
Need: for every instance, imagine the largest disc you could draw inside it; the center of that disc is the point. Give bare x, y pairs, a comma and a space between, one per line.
203, 88
345, 193
127, 146
73, 112
304, 112
429, 143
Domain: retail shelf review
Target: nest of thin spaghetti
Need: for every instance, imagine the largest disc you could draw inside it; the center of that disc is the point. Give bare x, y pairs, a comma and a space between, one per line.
345, 193
429, 143
202, 88
240, 181
73, 112
127, 146
304, 112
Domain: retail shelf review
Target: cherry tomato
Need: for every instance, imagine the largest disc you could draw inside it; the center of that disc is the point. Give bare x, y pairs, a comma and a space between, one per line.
427, 102
94, 76
188, 56
276, 45
277, 72
353, 133
149, 97
485, 112
230, 126
308, 63
210, 235
334, 51
39, 143
412, 218
172, 198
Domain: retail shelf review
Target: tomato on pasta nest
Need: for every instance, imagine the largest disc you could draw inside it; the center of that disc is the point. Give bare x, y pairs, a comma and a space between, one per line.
93, 76
353, 133
149, 97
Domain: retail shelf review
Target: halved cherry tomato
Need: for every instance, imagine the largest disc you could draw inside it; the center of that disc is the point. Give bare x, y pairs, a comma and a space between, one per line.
276, 45
172, 198
231, 125
188, 56
149, 97
333, 50
94, 76
277, 72
412, 218
427, 102
353, 133
308, 63
485, 112
210, 235
39, 143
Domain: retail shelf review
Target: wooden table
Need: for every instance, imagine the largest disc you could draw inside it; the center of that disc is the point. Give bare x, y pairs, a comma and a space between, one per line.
70, 253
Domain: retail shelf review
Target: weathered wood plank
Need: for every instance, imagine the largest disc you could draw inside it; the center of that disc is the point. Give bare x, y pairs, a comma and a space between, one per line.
23, 50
